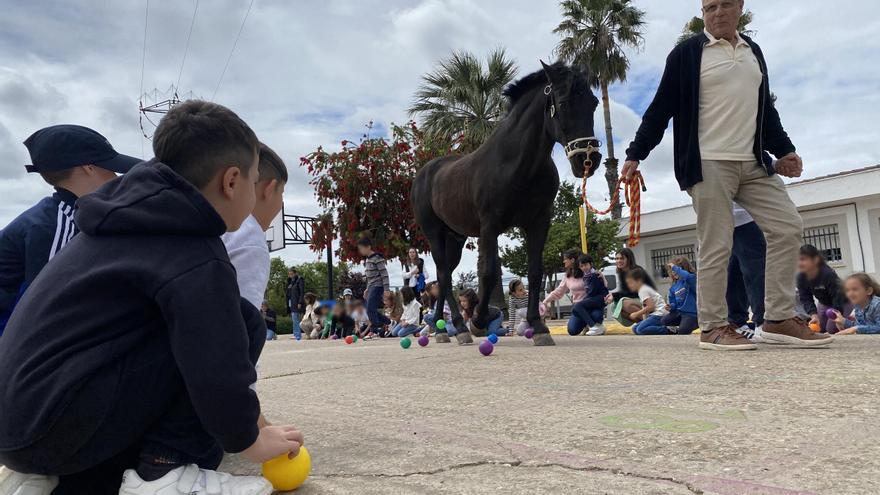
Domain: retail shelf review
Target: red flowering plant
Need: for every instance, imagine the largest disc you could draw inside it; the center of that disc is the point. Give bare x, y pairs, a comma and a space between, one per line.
364, 190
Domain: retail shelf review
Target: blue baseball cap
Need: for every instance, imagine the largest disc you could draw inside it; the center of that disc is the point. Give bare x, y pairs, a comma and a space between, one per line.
60, 147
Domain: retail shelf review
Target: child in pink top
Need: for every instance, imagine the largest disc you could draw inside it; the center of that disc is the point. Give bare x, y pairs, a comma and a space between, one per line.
572, 283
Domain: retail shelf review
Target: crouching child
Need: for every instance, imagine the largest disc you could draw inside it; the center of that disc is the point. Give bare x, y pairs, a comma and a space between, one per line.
142, 361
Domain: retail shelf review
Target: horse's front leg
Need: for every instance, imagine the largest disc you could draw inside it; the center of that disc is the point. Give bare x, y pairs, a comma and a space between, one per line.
536, 237
489, 267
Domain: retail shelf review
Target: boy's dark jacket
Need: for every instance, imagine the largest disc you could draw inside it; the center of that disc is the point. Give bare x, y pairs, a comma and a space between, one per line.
595, 289
148, 262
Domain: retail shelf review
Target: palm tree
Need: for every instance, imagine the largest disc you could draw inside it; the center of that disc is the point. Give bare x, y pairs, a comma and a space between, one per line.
594, 35
696, 26
462, 100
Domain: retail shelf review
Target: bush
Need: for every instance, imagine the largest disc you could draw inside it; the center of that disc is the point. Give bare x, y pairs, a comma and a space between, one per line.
284, 324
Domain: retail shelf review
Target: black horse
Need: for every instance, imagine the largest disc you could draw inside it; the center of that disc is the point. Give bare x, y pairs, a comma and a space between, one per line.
510, 181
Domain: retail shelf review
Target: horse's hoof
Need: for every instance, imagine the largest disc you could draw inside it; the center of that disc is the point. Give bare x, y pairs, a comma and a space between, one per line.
479, 332
542, 339
464, 338
442, 338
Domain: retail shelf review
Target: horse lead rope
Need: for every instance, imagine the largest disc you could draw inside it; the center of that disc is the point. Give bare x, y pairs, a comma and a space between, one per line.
633, 194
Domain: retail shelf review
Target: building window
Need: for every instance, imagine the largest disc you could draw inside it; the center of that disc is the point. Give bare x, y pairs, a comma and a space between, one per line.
661, 257
827, 240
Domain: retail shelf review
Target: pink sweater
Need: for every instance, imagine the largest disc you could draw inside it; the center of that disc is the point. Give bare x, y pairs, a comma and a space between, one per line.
575, 285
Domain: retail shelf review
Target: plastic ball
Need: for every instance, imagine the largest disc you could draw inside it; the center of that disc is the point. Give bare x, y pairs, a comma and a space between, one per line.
493, 338
354, 338
441, 324
486, 348
529, 333
831, 314
424, 340
542, 309
349, 339
405, 342
815, 327
288, 474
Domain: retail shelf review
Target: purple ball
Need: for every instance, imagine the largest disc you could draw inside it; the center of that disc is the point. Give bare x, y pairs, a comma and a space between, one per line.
829, 313
424, 340
486, 348
529, 333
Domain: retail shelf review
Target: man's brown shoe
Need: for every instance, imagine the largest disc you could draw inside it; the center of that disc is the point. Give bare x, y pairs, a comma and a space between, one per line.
725, 339
794, 331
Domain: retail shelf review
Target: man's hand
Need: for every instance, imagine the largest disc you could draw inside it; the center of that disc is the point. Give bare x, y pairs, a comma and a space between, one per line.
790, 165
630, 167
274, 441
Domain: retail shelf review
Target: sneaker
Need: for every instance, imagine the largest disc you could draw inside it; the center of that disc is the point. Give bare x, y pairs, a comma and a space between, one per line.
794, 331
596, 330
747, 332
190, 480
725, 338
13, 483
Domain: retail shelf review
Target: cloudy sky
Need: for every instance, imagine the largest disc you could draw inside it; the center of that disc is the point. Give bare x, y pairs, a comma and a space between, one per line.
312, 72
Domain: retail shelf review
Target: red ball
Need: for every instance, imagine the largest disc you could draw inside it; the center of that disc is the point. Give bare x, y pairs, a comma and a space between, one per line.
349, 339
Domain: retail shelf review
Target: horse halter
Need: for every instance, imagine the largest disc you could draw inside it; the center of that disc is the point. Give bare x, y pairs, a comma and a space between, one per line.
587, 145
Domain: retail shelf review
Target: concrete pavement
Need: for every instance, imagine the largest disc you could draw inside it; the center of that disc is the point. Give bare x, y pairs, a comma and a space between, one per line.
600, 415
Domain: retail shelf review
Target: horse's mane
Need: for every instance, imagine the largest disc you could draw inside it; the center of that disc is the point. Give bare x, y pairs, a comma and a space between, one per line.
577, 78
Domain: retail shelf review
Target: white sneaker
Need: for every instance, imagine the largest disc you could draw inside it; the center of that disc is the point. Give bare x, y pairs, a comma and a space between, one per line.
13, 483
596, 330
746, 332
190, 480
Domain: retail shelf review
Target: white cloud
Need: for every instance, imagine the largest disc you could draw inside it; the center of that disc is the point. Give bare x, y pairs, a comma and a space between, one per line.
312, 73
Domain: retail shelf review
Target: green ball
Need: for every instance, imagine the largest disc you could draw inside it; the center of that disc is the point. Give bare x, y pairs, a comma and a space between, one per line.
354, 338
405, 342
441, 324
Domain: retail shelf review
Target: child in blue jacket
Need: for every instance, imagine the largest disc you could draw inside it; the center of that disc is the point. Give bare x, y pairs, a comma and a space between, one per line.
682, 297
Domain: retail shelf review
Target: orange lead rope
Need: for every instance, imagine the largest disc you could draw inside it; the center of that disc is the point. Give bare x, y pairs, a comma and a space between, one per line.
633, 194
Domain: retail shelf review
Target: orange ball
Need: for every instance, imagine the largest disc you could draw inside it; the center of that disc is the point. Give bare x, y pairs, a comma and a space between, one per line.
815, 327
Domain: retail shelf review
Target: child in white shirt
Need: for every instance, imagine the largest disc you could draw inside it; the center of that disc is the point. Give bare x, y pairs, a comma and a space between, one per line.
654, 307
409, 320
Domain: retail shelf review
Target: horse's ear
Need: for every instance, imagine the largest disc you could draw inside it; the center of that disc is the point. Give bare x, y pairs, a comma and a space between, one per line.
546, 71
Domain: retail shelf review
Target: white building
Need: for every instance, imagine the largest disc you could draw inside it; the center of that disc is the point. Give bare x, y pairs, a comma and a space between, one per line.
841, 215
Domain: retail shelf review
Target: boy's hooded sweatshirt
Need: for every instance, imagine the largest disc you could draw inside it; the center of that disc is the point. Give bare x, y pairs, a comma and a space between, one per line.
683, 293
148, 262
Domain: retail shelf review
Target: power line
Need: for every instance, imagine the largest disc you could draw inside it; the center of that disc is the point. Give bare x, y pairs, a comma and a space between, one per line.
186, 48
234, 44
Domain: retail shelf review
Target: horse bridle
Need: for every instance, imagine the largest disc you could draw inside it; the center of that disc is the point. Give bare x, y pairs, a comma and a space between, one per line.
574, 147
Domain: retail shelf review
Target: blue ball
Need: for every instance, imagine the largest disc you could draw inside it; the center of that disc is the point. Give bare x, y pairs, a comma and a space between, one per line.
493, 338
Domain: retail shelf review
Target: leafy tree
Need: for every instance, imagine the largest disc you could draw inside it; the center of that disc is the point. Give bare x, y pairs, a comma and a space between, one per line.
276, 286
364, 189
594, 35
462, 101
565, 234
696, 26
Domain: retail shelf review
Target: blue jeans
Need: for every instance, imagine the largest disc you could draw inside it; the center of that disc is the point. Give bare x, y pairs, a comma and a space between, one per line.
297, 331
450, 328
745, 275
652, 325
584, 315
401, 330
271, 335
374, 303
495, 326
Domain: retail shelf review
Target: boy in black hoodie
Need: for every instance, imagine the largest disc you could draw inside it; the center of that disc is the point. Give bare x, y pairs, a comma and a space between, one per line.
143, 355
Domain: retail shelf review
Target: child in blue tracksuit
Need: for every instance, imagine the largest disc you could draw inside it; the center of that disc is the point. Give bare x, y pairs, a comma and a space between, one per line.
682, 297
863, 293
591, 309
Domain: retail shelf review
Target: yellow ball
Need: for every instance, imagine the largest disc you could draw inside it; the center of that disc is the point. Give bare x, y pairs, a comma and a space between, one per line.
288, 474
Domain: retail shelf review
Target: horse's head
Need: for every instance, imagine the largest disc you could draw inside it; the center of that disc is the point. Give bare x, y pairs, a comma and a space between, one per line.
570, 107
